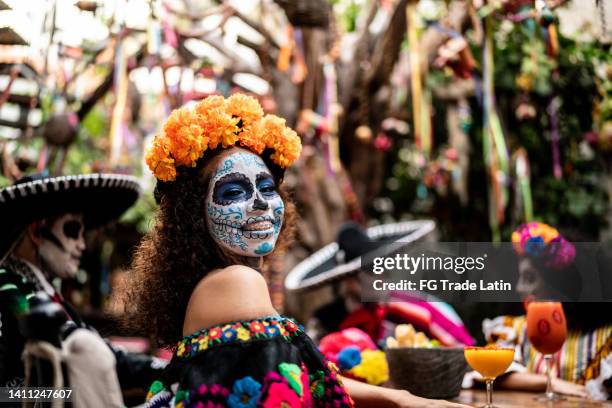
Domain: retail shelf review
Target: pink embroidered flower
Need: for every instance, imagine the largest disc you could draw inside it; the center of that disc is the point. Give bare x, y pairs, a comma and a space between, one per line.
218, 391
305, 380
280, 395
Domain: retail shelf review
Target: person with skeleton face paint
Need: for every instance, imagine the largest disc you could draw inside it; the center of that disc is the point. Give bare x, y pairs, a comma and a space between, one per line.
244, 211
197, 275
41, 243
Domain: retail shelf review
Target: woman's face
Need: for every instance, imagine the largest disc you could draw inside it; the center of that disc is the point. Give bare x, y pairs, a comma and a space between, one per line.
244, 211
530, 282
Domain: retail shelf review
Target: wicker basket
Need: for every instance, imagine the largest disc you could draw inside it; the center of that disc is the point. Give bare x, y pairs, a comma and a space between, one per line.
427, 372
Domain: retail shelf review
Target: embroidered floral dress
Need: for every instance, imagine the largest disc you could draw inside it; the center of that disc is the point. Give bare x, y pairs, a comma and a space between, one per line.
585, 358
268, 362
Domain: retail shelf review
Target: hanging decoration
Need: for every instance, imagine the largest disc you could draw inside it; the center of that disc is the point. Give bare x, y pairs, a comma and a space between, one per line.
521, 170
421, 98
546, 19
121, 86
331, 111
284, 54
494, 143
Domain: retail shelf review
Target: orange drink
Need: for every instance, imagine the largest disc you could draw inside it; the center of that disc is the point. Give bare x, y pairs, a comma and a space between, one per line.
490, 362
546, 327
546, 331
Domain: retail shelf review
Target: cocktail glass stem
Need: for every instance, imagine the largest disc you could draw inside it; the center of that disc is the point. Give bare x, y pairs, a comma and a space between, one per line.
550, 394
489, 382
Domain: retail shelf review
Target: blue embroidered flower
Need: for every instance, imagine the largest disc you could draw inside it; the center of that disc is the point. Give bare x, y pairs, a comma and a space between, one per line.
349, 357
245, 393
229, 335
272, 331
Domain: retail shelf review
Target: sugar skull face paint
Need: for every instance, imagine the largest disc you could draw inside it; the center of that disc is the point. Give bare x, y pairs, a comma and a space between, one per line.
244, 211
62, 245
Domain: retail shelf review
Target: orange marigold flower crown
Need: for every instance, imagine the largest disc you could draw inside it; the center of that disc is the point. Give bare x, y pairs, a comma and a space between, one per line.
218, 122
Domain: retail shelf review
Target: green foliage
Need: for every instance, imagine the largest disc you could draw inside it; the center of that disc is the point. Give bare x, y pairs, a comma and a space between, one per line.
141, 214
88, 149
347, 12
4, 182
579, 82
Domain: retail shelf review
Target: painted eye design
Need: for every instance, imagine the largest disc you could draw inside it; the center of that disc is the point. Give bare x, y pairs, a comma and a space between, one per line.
73, 229
232, 193
267, 188
265, 184
233, 187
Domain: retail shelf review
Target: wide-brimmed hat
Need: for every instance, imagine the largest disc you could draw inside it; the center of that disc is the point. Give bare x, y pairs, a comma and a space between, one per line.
344, 257
99, 197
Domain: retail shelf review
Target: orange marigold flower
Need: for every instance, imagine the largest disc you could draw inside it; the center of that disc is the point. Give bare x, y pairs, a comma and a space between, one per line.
186, 140
214, 123
252, 138
189, 145
159, 161
287, 148
245, 107
218, 126
208, 103
272, 128
177, 119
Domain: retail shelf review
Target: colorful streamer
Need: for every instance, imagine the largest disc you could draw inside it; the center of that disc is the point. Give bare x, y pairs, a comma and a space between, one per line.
330, 109
554, 138
421, 111
524, 183
121, 87
494, 143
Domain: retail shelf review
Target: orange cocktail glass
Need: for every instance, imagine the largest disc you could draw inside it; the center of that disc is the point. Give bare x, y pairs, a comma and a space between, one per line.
546, 331
490, 362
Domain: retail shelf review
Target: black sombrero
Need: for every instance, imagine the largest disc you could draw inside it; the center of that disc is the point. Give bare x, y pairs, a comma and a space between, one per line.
100, 197
344, 257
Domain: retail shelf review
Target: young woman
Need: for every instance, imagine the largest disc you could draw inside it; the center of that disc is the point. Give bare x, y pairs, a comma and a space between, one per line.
547, 269
197, 285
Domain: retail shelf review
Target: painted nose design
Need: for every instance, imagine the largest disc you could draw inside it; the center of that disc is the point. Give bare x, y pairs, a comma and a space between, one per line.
260, 203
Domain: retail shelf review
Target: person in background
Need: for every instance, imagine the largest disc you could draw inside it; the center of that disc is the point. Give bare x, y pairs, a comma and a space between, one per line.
547, 269
44, 220
339, 265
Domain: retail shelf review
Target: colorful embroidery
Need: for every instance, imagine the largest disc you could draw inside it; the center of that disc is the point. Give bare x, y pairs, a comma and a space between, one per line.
239, 332
278, 394
155, 388
292, 374
317, 384
245, 393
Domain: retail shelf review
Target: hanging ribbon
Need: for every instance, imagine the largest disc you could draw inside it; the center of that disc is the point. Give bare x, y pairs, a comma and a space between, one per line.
494, 143
554, 135
121, 88
300, 70
154, 36
421, 111
523, 177
169, 33
547, 19
284, 54
330, 109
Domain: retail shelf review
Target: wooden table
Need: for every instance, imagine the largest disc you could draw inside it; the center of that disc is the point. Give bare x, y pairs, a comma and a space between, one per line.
519, 399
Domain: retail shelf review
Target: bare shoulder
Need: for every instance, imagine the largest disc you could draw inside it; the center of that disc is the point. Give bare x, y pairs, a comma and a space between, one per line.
233, 293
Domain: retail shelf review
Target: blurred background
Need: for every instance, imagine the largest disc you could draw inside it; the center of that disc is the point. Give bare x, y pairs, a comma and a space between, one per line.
477, 115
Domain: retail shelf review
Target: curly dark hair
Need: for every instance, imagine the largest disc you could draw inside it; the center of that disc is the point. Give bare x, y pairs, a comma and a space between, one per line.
179, 251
